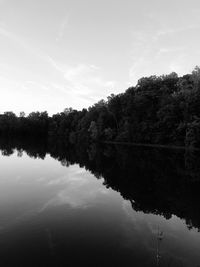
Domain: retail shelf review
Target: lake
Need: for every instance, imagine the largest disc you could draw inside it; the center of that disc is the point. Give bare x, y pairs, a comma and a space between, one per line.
112, 209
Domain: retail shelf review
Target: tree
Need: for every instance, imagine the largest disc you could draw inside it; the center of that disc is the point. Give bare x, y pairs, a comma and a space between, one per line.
93, 130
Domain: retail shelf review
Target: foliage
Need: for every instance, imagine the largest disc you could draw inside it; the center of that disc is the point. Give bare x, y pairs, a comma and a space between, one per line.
158, 110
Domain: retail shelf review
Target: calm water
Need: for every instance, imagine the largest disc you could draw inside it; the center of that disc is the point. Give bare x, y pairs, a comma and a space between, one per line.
56, 215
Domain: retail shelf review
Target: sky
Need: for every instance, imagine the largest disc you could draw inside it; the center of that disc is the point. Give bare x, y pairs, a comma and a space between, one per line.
56, 54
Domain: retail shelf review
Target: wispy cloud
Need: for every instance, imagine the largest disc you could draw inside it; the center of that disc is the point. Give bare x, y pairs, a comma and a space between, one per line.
176, 30
62, 27
13, 37
87, 82
163, 50
33, 85
82, 83
22, 42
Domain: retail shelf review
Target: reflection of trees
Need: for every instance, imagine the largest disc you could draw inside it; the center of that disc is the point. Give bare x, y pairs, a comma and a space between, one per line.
33, 148
7, 152
20, 153
155, 181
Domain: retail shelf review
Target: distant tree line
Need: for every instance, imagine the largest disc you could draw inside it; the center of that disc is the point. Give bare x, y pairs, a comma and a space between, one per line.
158, 110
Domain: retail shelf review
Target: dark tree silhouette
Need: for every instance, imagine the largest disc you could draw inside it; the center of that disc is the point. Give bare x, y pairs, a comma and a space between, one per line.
161, 110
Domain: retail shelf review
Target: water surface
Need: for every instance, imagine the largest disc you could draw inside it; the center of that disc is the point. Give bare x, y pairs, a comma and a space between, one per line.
54, 214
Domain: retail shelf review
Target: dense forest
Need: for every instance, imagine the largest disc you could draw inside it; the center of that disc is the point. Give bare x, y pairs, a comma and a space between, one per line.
158, 110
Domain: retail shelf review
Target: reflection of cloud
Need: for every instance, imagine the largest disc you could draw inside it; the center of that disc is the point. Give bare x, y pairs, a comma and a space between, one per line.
81, 190
69, 179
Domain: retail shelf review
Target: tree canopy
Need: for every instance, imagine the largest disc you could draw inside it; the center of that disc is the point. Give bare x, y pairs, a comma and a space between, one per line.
158, 110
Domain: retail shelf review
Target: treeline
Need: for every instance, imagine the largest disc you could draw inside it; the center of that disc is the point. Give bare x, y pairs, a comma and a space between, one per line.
158, 110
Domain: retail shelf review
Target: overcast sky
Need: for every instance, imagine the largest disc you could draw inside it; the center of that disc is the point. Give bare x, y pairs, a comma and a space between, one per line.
71, 53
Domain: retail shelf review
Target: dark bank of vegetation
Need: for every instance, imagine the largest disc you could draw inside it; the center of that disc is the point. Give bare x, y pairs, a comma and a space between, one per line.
157, 181
158, 110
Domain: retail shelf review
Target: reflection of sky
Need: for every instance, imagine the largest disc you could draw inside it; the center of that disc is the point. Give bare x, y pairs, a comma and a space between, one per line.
73, 201
39, 184
80, 189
